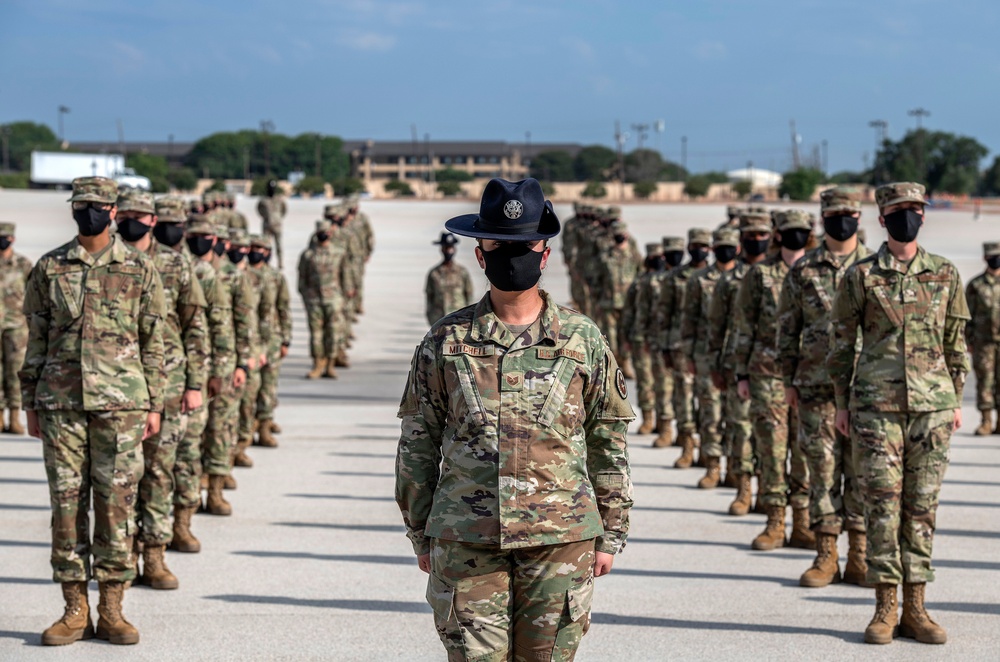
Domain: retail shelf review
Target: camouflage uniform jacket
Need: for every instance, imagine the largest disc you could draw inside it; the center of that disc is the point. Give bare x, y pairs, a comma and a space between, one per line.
722, 320
697, 300
13, 279
325, 273
364, 231
185, 342
670, 306
649, 320
804, 311
269, 333
283, 305
243, 303
568, 240
756, 349
912, 320
448, 288
95, 331
219, 315
618, 268
983, 296
514, 441
635, 317
272, 211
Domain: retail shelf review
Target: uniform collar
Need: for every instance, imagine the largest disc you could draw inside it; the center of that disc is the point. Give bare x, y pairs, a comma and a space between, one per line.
921, 261
116, 251
487, 327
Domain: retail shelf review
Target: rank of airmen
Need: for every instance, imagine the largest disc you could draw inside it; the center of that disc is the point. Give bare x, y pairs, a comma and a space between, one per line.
146, 358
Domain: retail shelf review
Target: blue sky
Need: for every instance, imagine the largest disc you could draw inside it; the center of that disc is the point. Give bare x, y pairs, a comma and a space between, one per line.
729, 75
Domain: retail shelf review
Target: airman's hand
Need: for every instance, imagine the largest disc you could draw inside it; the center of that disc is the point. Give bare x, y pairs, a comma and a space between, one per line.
842, 422
152, 425
192, 400
602, 563
34, 429
424, 562
743, 389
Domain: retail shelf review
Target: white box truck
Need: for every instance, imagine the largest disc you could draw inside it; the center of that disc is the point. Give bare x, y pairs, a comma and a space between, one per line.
59, 169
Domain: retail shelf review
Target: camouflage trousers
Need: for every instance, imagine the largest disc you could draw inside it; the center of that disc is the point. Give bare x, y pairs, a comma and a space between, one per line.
220, 432
13, 344
187, 465
275, 234
784, 475
709, 411
985, 365
357, 301
834, 494
578, 290
267, 396
663, 385
493, 605
642, 361
683, 397
901, 460
99, 452
327, 327
737, 437
156, 489
608, 321
248, 405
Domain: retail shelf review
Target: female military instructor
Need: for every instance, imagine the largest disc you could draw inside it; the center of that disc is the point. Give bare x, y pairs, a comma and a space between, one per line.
512, 469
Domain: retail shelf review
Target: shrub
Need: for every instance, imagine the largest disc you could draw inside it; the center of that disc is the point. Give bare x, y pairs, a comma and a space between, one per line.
594, 190
449, 189
400, 188
310, 186
644, 189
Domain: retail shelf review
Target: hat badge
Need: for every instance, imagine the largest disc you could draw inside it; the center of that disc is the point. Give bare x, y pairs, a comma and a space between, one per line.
513, 209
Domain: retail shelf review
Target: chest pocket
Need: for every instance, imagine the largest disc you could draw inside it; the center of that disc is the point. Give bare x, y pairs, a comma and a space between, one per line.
121, 286
466, 396
818, 288
932, 291
66, 289
772, 291
563, 409
881, 297
170, 278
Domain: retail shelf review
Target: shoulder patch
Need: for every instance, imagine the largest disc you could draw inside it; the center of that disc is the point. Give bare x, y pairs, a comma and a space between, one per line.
620, 384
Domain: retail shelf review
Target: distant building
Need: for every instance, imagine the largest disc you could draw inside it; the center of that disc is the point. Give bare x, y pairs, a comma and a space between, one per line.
758, 177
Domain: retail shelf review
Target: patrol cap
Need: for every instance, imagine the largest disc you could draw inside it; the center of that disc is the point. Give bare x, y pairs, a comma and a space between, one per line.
754, 221
794, 219
199, 224
653, 249
332, 209
700, 236
990, 248
447, 239
893, 194
230, 197
239, 237
221, 231
619, 226
171, 209
840, 198
208, 197
323, 225
726, 237
136, 200
732, 210
94, 189
673, 244
194, 204
260, 241
7, 229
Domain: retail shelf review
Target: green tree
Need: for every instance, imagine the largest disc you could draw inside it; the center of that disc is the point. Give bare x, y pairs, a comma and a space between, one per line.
944, 162
715, 177
452, 175
399, 188
594, 190
800, 184
348, 186
183, 179
310, 186
594, 163
553, 166
224, 154
148, 165
26, 137
259, 186
14, 180
449, 188
648, 165
742, 188
548, 189
989, 184
220, 185
644, 189
697, 186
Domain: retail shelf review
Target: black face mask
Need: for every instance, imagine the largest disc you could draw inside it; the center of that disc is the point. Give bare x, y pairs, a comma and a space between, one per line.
755, 247
841, 227
903, 225
4, 243
993, 261
655, 263
698, 255
169, 234
725, 254
673, 258
255, 257
322, 236
619, 238
795, 239
132, 229
219, 248
235, 256
513, 267
199, 245
92, 221
448, 255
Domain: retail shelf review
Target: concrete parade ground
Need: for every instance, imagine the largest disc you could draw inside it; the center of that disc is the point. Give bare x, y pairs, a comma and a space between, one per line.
314, 564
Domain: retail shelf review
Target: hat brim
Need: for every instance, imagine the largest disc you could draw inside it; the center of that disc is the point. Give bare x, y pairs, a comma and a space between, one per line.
844, 208
757, 228
465, 225
905, 198
92, 197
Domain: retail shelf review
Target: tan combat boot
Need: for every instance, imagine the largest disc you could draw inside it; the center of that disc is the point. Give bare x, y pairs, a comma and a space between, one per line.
774, 532
319, 367
184, 540
341, 361
203, 482
275, 428
917, 623
14, 426
882, 628
155, 572
666, 433
648, 422
857, 566
687, 450
264, 437
986, 425
825, 569
75, 622
741, 504
330, 372
241, 459
731, 479
111, 623
216, 504
229, 482
711, 478
758, 505
802, 537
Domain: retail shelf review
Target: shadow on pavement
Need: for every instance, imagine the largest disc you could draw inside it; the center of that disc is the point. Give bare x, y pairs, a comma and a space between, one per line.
366, 437
674, 509
358, 605
352, 558
372, 474
616, 619
354, 454
967, 565
718, 576
966, 607
29, 638
14, 458
977, 483
24, 543
352, 497
391, 528
697, 543
970, 504
24, 481
22, 506
25, 580
966, 533
975, 465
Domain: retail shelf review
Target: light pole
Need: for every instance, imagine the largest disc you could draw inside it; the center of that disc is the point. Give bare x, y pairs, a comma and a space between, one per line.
920, 114
62, 111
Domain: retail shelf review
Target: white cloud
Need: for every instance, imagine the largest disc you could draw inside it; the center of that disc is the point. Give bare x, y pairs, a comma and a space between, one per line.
711, 50
367, 41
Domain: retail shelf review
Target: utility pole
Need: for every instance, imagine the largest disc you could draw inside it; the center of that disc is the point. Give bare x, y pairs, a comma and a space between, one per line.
121, 138
527, 151
640, 133
824, 146
5, 136
62, 111
684, 152
659, 126
319, 156
920, 114
620, 139
266, 127
881, 128
796, 163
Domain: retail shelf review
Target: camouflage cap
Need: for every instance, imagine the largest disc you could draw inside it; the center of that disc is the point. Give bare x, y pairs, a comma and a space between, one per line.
260, 241
239, 237
990, 248
733, 210
726, 237
334, 209
653, 249
134, 199
754, 221
840, 198
792, 219
209, 197
700, 236
323, 225
221, 231
619, 226
7, 229
613, 213
895, 193
94, 189
199, 224
230, 197
673, 244
171, 209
